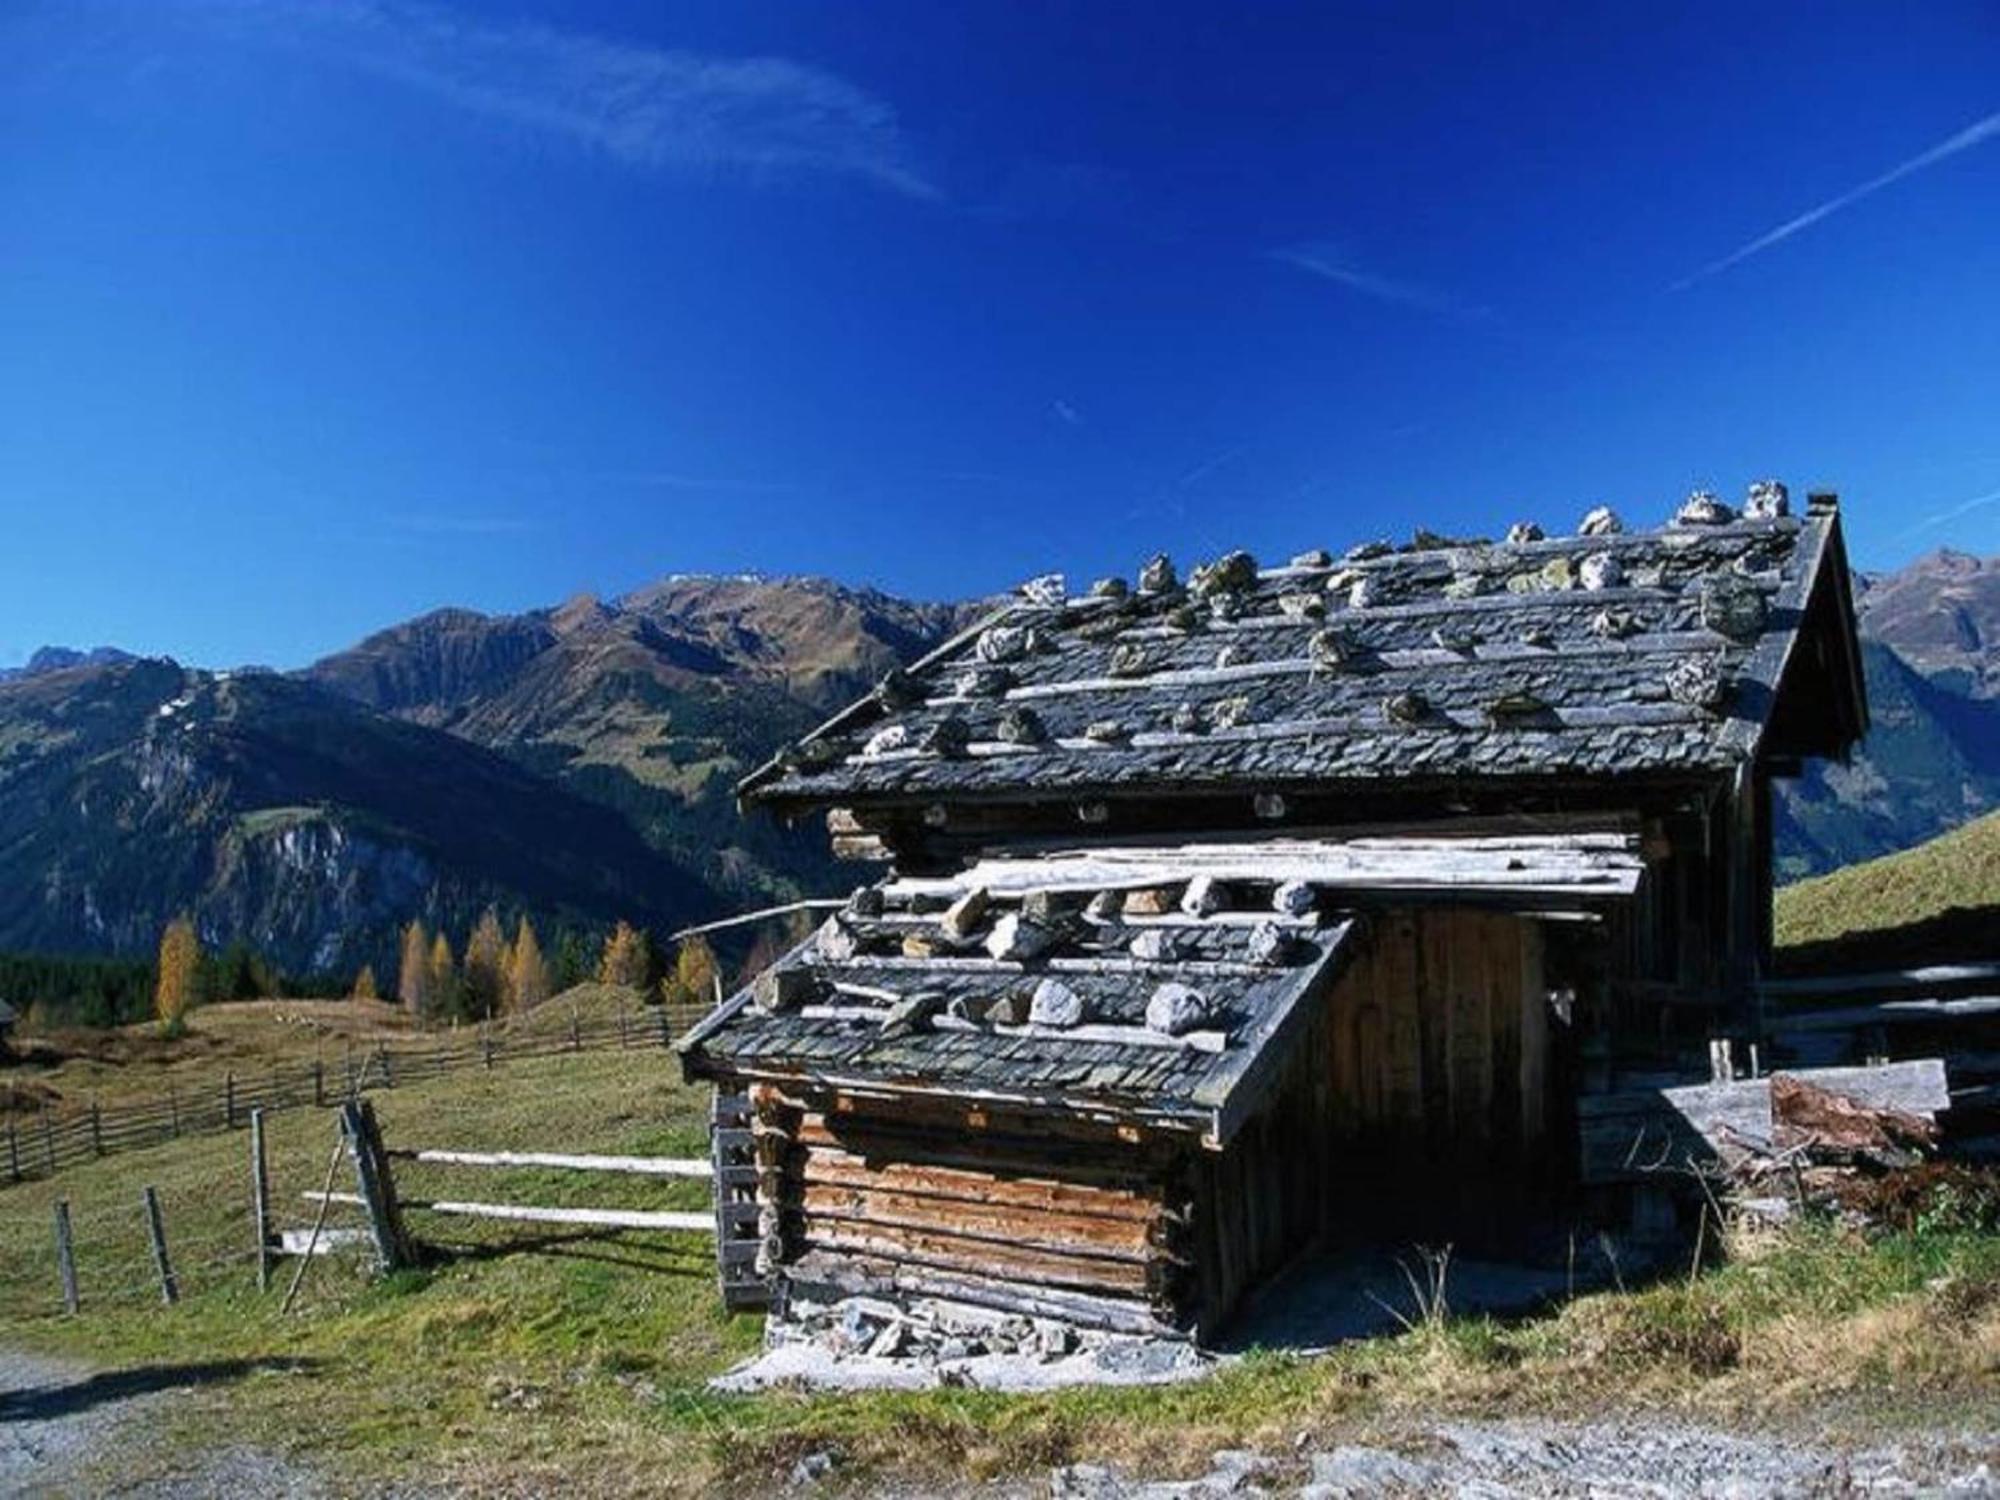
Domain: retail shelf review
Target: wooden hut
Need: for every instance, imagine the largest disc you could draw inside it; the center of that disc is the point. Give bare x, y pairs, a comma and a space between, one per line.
1236, 911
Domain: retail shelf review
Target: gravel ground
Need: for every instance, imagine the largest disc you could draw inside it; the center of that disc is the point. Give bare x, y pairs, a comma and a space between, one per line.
66, 1431
1636, 1460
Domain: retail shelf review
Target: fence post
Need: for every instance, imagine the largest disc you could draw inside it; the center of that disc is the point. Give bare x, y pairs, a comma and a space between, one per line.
260, 1199
666, 1027
486, 1044
66, 1257
156, 1231
319, 1081
229, 1100
13, 1150
347, 1065
96, 1127
378, 1191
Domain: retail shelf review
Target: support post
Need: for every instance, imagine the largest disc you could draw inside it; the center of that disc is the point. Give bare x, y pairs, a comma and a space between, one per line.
66, 1257
377, 1188
156, 1231
260, 1199
666, 1026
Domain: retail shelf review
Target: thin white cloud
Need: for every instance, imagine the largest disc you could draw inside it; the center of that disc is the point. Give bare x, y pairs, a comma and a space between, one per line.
433, 524
1329, 263
1953, 513
1068, 415
649, 108
1973, 135
661, 480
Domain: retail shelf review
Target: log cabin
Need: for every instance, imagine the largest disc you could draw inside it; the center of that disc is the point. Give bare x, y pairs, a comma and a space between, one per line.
1231, 914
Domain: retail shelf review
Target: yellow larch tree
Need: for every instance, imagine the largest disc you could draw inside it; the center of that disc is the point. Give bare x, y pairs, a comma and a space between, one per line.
413, 972
180, 969
528, 972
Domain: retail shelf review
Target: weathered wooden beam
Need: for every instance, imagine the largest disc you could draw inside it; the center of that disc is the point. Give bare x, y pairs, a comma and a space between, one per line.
1888, 1013
830, 1166
639, 1166
977, 1257
603, 1218
1938, 979
822, 1271
1097, 1032
1633, 1135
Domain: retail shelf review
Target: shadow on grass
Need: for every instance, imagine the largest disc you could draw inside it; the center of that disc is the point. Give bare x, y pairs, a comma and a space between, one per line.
44, 1403
584, 1244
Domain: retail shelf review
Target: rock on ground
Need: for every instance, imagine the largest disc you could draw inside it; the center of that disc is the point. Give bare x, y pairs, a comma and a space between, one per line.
1620, 1460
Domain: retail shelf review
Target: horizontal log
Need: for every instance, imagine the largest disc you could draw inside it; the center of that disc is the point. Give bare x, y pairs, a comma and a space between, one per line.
996, 1223
977, 1257
1888, 1013
1607, 863
1938, 977
820, 1272
640, 1166
1067, 1160
1092, 1031
603, 1218
833, 1167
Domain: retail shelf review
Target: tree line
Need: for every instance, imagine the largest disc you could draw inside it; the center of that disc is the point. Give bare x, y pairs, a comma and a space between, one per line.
491, 972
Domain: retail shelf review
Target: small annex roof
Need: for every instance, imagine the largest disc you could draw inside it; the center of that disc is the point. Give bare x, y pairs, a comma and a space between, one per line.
1606, 652
1154, 985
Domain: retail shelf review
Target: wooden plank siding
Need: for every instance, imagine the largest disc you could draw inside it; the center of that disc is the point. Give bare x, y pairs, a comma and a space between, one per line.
1427, 1054
1437, 1044
1009, 1207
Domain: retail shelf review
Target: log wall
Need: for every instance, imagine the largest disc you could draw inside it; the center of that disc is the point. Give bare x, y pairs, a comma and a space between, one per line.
1006, 1210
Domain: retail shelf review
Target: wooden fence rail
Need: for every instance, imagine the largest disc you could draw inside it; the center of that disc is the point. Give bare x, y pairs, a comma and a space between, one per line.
40, 1143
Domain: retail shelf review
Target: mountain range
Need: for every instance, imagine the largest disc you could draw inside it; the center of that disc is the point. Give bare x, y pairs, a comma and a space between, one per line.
578, 763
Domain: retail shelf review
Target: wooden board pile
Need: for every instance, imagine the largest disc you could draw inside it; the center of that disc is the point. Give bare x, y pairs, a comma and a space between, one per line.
1769, 1144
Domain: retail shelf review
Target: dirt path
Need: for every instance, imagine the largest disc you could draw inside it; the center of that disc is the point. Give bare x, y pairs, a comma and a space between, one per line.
65, 1430
1635, 1460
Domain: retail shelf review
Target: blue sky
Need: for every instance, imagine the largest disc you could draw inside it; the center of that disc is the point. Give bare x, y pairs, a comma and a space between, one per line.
314, 316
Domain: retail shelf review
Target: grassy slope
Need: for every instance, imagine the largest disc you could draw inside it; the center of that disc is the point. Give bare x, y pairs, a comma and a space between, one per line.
586, 1359
1959, 870
136, 1065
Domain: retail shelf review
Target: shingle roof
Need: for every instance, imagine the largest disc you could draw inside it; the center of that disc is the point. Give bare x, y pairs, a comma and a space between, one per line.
1153, 984
1603, 652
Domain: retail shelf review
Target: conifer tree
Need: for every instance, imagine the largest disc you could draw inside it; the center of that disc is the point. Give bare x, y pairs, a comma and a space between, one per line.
485, 967
180, 963
364, 984
413, 973
528, 974
627, 959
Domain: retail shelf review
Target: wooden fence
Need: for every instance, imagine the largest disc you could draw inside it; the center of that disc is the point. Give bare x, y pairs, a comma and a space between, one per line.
42, 1142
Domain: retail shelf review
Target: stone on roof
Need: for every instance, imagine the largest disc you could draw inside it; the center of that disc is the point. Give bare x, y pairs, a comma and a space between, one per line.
1647, 652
